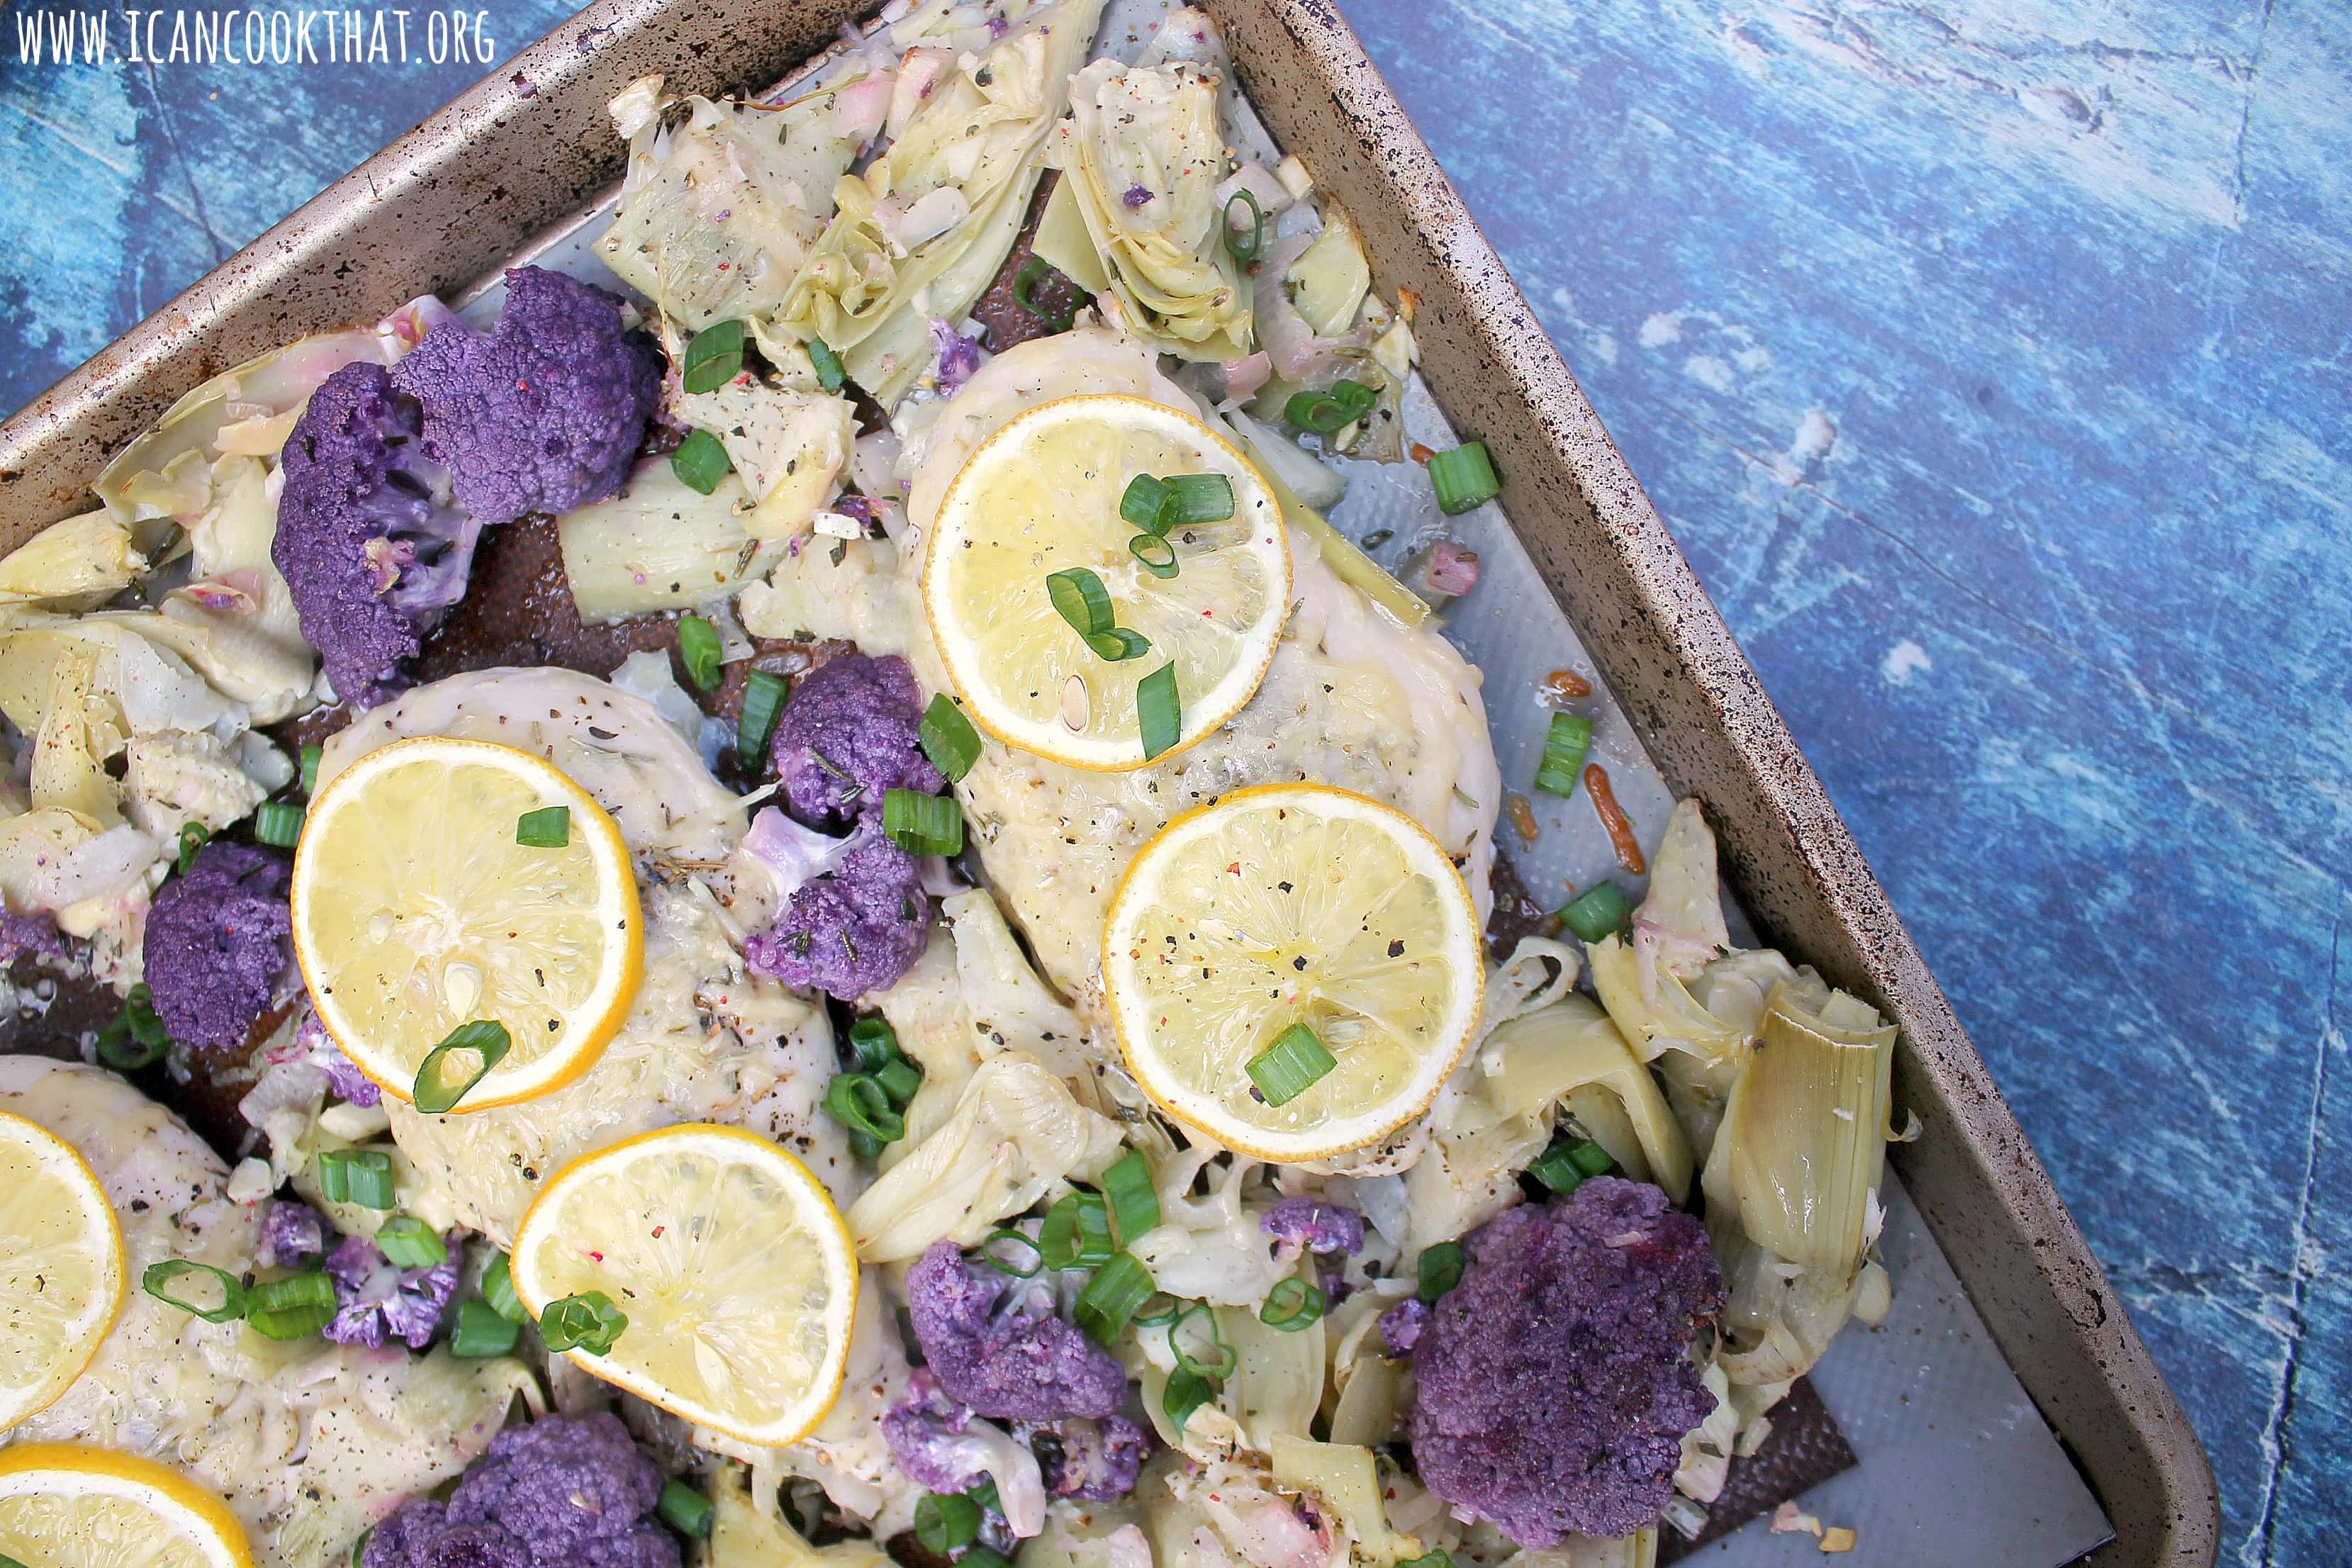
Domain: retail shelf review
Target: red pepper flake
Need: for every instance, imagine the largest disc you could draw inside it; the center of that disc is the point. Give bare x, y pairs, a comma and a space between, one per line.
1418, 453
596, 1256
1612, 817
1523, 817
1567, 683
658, 1229
1234, 869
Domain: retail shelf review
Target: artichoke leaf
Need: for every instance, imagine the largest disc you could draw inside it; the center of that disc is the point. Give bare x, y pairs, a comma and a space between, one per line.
77, 562
1532, 1064
658, 545
1346, 1479
1330, 279
1277, 1386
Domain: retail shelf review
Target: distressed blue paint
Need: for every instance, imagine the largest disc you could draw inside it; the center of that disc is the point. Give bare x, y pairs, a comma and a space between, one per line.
1992, 362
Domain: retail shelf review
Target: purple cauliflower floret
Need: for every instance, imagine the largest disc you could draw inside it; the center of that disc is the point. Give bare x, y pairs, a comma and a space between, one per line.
959, 357
1311, 1225
848, 738
375, 1298
216, 945
29, 936
547, 412
292, 1234
368, 539
1403, 1324
349, 1083
996, 1345
1097, 1461
1556, 1380
926, 1435
561, 1492
852, 932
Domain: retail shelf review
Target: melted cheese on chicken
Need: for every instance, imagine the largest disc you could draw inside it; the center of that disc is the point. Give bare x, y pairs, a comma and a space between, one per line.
309, 1442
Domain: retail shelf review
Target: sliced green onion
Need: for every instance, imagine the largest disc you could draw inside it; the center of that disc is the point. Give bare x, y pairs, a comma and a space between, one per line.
1463, 477
460, 1061
1597, 912
290, 1308
1590, 1157
1147, 503
946, 1521
1080, 599
362, 1177
1555, 1170
978, 1555
1331, 411
1159, 713
948, 737
684, 1509
899, 1079
1155, 554
1111, 1296
923, 823
986, 1496
859, 1103
1237, 249
1025, 292
697, 644
482, 1330
1563, 754
764, 692
989, 1255
137, 1037
191, 838
1294, 1064
1216, 1368
1440, 1270
1201, 498
1186, 1392
1134, 1204
1077, 1232
587, 1322
411, 1243
1159, 1309
1293, 1304
278, 822
549, 827
313, 755
864, 1145
160, 1277
829, 374
873, 1041
713, 358
497, 1290
1439, 1558
1119, 645
701, 462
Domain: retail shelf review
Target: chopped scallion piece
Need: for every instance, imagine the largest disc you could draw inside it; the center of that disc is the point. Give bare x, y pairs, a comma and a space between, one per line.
1245, 251
1202, 498
714, 358
923, 823
411, 1243
1147, 503
948, 737
290, 1308
1292, 1305
1597, 912
859, 1103
764, 692
944, 1522
497, 1290
698, 646
1563, 754
1160, 1311
899, 1079
986, 1496
159, 1279
1186, 1392
1463, 477
313, 755
278, 822
1555, 1170
1119, 645
362, 1177
191, 838
1159, 713
1127, 1190
1440, 1270
1080, 599
137, 1037
1217, 1366
1329, 412
549, 827
587, 1322
996, 1260
1111, 1296
461, 1060
829, 374
684, 1509
1440, 1558
1024, 294
482, 1330
701, 462
977, 1555
1295, 1063
1590, 1157
873, 1041
1077, 1232
1155, 554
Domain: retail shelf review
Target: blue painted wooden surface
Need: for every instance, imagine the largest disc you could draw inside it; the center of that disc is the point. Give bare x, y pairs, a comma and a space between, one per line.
1990, 358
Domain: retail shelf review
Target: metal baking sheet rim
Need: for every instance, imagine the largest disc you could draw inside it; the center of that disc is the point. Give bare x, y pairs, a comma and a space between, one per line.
523, 149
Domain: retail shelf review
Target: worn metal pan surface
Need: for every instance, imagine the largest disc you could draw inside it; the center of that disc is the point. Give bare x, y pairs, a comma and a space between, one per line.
525, 151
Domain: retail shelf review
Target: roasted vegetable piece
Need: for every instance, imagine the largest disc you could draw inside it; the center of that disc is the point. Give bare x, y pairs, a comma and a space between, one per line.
215, 944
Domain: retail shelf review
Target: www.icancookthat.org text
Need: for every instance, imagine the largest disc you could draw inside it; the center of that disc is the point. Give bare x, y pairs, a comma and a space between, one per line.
374, 36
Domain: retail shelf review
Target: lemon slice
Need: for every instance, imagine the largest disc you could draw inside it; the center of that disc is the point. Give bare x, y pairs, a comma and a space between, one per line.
90, 1508
61, 1266
1287, 905
738, 1277
415, 911
1042, 496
